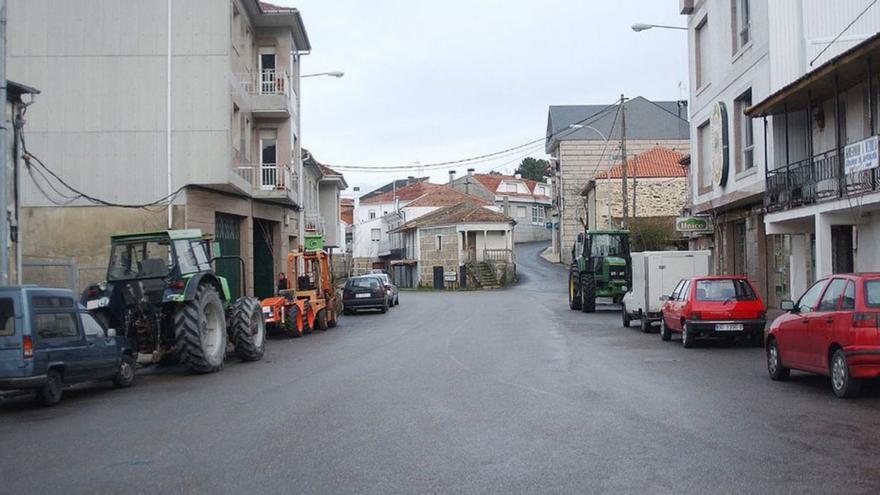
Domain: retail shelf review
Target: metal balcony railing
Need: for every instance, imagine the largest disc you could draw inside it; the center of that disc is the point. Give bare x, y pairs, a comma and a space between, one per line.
267, 82
268, 176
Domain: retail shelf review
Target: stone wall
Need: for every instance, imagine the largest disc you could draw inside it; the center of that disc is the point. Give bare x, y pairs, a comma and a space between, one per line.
655, 197
579, 162
430, 256
360, 265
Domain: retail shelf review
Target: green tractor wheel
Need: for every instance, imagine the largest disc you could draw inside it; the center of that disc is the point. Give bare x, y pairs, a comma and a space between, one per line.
248, 330
200, 332
588, 293
574, 295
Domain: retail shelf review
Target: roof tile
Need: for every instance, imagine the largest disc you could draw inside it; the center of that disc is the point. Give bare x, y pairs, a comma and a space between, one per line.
656, 162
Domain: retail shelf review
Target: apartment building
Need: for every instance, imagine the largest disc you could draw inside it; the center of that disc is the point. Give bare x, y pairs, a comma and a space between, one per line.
743, 52
139, 102
584, 141
527, 201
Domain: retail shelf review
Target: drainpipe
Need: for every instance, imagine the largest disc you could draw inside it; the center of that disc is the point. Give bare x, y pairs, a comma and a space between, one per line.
4, 184
168, 120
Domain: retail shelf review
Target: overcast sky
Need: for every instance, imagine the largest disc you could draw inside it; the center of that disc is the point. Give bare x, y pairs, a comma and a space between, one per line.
432, 81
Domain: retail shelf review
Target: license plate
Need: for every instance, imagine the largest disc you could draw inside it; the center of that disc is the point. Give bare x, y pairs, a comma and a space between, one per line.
729, 327
360, 296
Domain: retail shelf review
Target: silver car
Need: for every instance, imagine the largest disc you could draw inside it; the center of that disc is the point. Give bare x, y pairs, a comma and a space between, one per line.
389, 286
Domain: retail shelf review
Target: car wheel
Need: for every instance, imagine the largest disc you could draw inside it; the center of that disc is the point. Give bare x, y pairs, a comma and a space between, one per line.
777, 371
50, 393
125, 374
842, 383
644, 324
625, 316
397, 301
687, 336
665, 334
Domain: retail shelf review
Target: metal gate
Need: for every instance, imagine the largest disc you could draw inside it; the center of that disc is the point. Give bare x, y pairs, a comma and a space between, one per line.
264, 266
438, 277
227, 233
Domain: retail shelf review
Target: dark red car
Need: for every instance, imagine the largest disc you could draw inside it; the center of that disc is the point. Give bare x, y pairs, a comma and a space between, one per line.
832, 330
723, 307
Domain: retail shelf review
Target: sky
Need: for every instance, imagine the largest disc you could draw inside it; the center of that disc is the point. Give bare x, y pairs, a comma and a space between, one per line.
432, 81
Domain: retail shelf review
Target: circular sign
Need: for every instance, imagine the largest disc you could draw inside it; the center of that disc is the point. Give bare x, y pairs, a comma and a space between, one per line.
719, 141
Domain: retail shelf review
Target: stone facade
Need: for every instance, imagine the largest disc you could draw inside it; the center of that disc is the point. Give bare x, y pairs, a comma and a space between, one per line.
655, 197
429, 256
579, 162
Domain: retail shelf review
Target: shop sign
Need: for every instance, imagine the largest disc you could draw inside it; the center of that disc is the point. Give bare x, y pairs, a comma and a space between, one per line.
694, 224
861, 156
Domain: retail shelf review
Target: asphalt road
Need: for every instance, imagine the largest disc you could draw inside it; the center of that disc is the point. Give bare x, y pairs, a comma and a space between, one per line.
478, 392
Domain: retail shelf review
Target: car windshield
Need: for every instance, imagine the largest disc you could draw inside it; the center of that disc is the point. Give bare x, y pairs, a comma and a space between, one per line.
140, 259
728, 289
364, 283
608, 245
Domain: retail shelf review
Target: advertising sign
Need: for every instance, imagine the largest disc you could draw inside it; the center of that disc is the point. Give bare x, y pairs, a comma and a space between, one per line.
861, 156
694, 224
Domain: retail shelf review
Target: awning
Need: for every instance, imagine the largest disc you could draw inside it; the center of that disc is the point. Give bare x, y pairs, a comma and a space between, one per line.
404, 262
850, 67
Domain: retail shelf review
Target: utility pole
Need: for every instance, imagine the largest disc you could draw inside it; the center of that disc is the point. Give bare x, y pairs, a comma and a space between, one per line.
623, 155
635, 176
4, 180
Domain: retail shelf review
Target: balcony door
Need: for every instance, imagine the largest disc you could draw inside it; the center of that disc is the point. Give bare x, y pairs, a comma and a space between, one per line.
269, 83
269, 178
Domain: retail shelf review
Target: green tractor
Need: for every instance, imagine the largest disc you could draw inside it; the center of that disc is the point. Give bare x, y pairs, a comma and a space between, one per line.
162, 293
601, 267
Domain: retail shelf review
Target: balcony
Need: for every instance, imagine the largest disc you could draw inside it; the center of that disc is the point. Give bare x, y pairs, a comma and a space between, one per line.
815, 180
272, 181
271, 93
314, 223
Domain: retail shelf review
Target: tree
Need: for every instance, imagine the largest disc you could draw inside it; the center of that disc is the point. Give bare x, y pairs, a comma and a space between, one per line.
533, 168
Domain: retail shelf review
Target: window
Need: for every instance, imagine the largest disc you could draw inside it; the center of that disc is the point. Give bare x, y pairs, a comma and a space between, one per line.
739, 248
538, 215
510, 186
372, 214
704, 166
520, 212
745, 137
722, 290
375, 235
234, 27
677, 290
191, 256
832, 295
150, 259
808, 301
849, 296
685, 290
603, 245
47, 302
235, 126
439, 242
55, 325
702, 53
7, 317
364, 283
91, 327
742, 23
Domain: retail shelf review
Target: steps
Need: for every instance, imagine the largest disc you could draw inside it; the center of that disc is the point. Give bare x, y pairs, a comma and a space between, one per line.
486, 274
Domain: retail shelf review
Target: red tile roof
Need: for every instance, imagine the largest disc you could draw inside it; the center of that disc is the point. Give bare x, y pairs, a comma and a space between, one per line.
268, 7
346, 201
656, 162
407, 193
465, 212
492, 181
446, 196
325, 170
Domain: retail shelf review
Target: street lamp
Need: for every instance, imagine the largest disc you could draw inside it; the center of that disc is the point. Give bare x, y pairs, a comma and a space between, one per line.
644, 27
300, 186
582, 126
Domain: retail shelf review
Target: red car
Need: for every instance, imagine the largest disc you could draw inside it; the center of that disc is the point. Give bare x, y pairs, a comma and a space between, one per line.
832, 330
723, 307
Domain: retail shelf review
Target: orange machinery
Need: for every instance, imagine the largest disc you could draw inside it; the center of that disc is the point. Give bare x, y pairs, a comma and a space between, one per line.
310, 302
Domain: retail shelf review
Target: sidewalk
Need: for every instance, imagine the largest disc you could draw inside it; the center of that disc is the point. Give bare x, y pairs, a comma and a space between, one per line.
549, 255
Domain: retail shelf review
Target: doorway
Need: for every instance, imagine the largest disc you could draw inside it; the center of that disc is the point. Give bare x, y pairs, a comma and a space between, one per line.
264, 265
227, 232
269, 159
842, 260
268, 79
471, 242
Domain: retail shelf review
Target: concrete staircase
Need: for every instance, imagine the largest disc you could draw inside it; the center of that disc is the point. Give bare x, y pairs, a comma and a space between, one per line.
486, 275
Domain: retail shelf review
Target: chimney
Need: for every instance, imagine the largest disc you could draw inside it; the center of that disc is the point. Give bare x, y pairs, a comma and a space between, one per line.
471, 171
518, 176
357, 203
451, 176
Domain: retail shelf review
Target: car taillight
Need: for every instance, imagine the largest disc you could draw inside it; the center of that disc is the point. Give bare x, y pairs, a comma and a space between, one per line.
27, 346
865, 320
92, 293
178, 284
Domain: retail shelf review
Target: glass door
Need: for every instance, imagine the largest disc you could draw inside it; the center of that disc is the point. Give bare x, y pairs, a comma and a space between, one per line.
269, 178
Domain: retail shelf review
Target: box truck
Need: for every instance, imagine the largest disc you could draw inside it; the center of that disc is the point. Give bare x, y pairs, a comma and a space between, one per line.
655, 274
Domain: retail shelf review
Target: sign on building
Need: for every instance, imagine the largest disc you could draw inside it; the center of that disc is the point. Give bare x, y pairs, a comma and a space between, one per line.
450, 276
694, 224
861, 156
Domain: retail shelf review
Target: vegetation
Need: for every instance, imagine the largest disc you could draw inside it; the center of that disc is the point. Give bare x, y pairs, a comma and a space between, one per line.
533, 168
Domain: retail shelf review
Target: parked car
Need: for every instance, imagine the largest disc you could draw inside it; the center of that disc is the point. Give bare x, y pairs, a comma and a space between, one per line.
832, 330
714, 307
393, 293
48, 341
365, 292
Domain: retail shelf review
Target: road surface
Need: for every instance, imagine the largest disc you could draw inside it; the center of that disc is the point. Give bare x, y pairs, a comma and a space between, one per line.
502, 391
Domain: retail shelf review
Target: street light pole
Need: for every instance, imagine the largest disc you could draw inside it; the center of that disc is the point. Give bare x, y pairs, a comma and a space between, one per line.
644, 27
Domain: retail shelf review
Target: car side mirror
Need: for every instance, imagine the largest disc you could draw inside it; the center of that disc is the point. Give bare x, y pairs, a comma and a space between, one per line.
787, 305
111, 332
665, 298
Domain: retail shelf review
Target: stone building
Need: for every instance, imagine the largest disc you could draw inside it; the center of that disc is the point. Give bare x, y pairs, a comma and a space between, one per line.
659, 190
584, 140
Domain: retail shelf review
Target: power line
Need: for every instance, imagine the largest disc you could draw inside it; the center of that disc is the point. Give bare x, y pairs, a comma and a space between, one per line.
841, 33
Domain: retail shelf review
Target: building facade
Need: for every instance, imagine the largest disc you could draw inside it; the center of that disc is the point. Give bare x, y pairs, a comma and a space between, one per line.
208, 109
584, 140
527, 201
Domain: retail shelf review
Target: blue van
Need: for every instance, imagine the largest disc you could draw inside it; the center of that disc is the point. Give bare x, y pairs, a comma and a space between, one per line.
48, 340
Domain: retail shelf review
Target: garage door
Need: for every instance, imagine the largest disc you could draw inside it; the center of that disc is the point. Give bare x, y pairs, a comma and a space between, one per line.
227, 233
